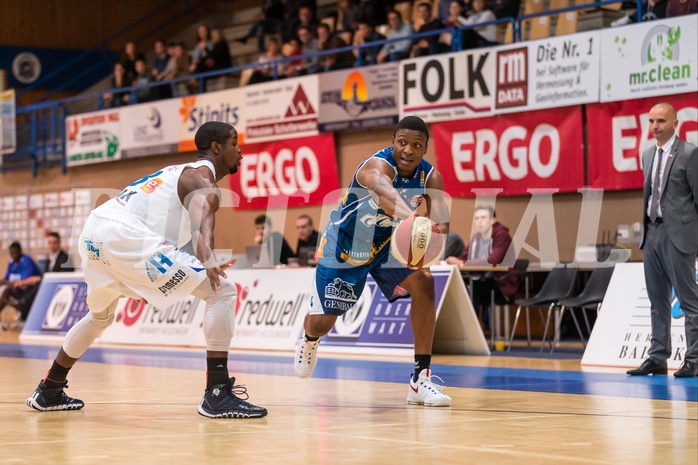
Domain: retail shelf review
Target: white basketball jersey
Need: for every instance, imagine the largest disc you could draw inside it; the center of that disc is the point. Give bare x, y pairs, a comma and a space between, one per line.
154, 202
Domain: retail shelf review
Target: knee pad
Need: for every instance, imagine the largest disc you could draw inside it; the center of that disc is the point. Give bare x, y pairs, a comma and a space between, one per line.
84, 332
219, 318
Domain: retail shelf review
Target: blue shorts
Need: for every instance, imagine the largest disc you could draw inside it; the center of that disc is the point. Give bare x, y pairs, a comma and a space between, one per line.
338, 286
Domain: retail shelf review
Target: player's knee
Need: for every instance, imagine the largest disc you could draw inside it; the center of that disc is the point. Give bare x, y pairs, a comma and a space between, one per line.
102, 320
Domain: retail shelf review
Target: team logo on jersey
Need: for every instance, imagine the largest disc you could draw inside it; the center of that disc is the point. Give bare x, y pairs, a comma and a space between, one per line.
150, 185
94, 249
340, 295
156, 266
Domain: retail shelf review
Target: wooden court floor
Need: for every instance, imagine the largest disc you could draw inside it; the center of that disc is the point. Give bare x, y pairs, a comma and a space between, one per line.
141, 409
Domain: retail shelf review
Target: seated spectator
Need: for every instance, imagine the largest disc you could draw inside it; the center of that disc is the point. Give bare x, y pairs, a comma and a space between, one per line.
119, 80
202, 50
489, 245
348, 15
479, 36
270, 21
305, 18
427, 45
219, 57
365, 34
327, 41
277, 247
505, 8
21, 281
395, 51
57, 260
456, 13
265, 72
455, 247
143, 77
307, 235
128, 58
651, 10
179, 68
681, 7
160, 66
308, 44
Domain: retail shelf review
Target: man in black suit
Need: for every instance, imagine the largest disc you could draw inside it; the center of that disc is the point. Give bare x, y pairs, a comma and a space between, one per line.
670, 240
57, 259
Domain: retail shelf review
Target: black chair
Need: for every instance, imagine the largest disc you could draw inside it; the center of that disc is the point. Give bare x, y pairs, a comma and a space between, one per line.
592, 295
558, 285
499, 300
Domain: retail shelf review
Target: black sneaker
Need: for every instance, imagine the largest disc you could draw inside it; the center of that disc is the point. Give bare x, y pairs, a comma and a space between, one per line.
46, 399
222, 401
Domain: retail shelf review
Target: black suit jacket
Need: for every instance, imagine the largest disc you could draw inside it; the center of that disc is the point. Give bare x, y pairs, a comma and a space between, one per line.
62, 259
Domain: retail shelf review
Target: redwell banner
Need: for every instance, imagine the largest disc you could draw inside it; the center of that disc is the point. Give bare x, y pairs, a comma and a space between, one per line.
514, 153
289, 172
620, 131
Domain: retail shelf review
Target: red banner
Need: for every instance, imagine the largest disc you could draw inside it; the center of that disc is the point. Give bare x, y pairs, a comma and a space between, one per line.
516, 152
291, 172
619, 133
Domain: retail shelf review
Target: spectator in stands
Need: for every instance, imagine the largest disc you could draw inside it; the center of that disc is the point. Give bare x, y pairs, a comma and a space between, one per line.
307, 235
162, 59
305, 18
481, 36
395, 51
427, 45
375, 13
308, 44
327, 41
265, 72
128, 58
365, 34
277, 247
119, 79
455, 247
293, 8
651, 10
445, 10
220, 54
505, 8
57, 260
270, 21
292, 48
143, 77
489, 245
202, 50
21, 281
348, 15
456, 9
181, 69
681, 7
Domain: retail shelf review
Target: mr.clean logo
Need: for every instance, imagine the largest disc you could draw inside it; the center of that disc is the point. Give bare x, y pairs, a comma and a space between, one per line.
132, 312
300, 105
512, 78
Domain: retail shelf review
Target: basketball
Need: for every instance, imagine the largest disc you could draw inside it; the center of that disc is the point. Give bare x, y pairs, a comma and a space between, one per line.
417, 242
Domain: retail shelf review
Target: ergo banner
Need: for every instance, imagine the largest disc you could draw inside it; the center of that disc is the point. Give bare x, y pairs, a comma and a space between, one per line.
516, 152
619, 132
291, 172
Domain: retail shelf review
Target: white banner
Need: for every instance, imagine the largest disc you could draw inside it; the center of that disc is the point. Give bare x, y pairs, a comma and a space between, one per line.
93, 137
281, 109
548, 73
650, 58
622, 332
8, 123
449, 86
193, 111
150, 128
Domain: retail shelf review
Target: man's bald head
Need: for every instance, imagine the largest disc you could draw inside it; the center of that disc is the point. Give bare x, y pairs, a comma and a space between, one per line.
663, 122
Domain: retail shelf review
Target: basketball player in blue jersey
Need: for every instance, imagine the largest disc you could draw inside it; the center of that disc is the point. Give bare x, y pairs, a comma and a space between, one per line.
386, 188
130, 246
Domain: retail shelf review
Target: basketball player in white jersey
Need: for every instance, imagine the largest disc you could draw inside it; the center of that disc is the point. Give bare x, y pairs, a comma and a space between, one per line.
130, 247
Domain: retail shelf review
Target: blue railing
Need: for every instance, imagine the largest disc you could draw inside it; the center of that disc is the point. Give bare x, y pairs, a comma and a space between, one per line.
41, 127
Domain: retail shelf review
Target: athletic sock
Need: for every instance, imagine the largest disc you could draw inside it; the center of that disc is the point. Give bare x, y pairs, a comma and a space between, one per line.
217, 371
421, 362
311, 339
56, 376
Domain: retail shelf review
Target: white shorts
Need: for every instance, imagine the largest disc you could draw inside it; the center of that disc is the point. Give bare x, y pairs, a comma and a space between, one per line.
129, 260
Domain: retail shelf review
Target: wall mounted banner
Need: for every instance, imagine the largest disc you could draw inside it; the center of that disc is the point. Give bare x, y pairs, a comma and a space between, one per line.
516, 152
548, 73
150, 128
619, 133
281, 109
8, 122
289, 172
93, 137
360, 98
195, 110
448, 86
651, 58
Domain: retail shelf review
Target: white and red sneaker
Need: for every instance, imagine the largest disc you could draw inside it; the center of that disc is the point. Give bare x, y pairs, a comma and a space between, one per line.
424, 392
306, 357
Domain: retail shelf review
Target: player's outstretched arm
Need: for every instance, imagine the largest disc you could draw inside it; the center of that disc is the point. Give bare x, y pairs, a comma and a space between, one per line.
438, 208
377, 177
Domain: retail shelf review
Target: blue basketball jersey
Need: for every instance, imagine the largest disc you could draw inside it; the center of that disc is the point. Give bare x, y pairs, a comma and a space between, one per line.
358, 227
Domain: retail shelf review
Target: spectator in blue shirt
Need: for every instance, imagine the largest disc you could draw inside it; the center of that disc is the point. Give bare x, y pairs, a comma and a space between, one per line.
395, 51
21, 281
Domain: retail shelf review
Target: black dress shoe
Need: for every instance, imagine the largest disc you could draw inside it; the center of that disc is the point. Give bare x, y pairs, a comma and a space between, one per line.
649, 367
687, 370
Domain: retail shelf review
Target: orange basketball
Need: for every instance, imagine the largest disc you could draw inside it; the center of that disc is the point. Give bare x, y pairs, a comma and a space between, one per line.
417, 242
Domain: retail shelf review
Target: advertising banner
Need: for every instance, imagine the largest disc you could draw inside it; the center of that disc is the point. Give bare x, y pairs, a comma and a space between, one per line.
361, 98
548, 73
93, 137
448, 87
8, 123
194, 110
516, 152
650, 58
150, 128
625, 126
289, 172
281, 109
